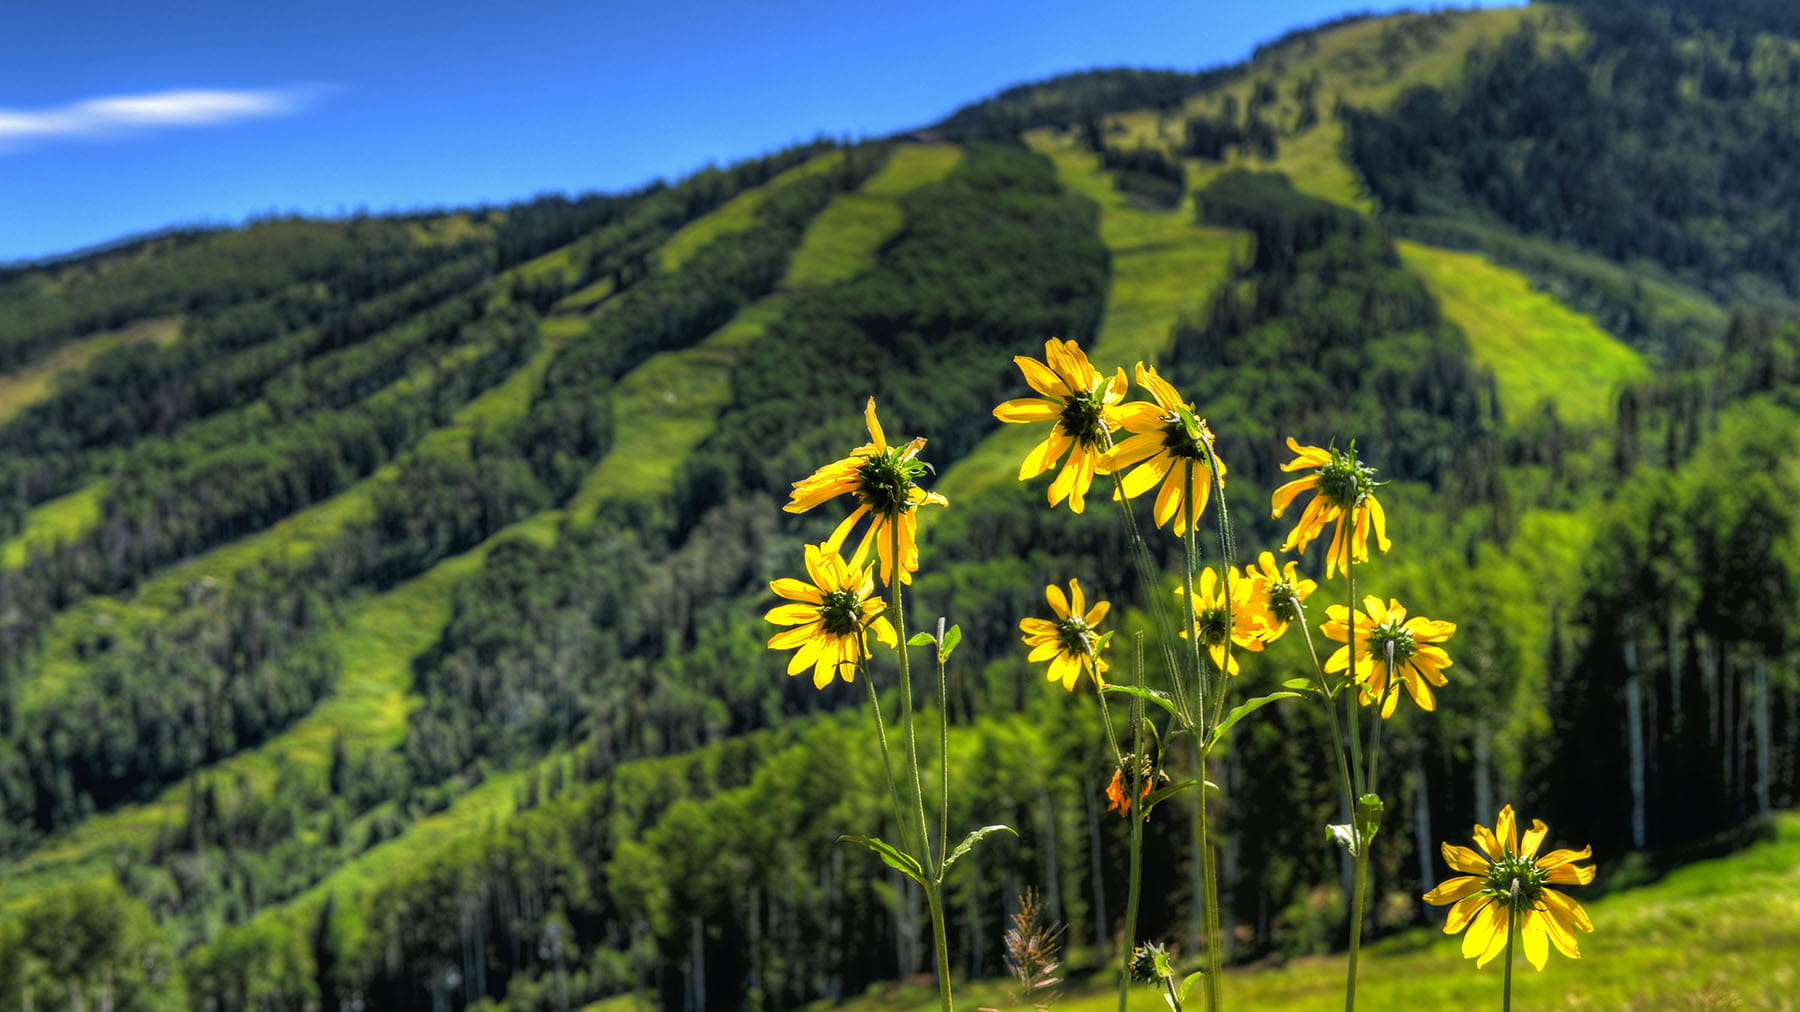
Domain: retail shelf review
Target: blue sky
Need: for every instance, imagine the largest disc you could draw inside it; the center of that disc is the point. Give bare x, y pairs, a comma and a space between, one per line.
121, 117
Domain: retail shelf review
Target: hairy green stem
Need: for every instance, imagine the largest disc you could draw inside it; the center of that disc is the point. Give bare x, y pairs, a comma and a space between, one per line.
1356, 832
933, 873
1331, 716
1134, 812
887, 764
943, 750
1512, 932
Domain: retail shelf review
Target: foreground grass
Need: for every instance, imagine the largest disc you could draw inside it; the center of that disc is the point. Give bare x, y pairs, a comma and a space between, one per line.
1539, 349
1717, 934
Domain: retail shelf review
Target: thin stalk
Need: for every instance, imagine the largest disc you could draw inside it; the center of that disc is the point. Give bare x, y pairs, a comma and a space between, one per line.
1208, 876
926, 861
1512, 932
1393, 685
1356, 833
935, 901
1226, 552
943, 749
1146, 570
887, 765
1137, 822
1331, 717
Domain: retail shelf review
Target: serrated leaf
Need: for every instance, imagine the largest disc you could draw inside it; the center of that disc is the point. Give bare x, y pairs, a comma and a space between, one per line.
1159, 698
1244, 710
1343, 836
896, 858
920, 639
1187, 984
968, 843
952, 637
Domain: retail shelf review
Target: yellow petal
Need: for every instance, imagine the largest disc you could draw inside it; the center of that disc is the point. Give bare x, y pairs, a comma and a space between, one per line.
1028, 409
1534, 936
1042, 379
875, 433
1077, 600
792, 614
1058, 602
1097, 613
1483, 928
1506, 827
1533, 838
796, 590
1497, 944
1567, 910
884, 631
1465, 909
1484, 838
1045, 455
1454, 889
1464, 860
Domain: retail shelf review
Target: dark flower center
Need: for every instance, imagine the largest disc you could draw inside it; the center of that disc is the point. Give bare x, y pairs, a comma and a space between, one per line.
1185, 437
1211, 623
840, 612
1345, 481
1075, 636
1083, 418
886, 481
1503, 873
1389, 642
1284, 600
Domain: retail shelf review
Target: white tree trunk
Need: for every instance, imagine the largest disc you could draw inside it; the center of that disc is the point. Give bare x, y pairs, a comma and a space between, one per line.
1634, 748
1484, 773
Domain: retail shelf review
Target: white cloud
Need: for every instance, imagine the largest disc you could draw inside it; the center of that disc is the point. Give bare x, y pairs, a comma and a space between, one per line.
117, 114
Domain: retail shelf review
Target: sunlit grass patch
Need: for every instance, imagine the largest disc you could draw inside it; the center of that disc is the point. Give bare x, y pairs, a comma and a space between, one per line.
34, 383
53, 522
841, 242
737, 214
1538, 348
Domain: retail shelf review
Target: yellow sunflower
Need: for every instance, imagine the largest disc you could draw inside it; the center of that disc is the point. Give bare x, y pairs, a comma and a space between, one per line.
1513, 880
1383, 632
1278, 591
1084, 406
885, 479
1070, 642
1168, 444
1248, 622
1344, 485
829, 616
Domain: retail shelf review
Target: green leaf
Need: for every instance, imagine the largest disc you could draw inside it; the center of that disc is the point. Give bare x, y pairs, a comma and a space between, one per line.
1246, 709
1343, 836
952, 637
1192, 979
1159, 698
1299, 685
1165, 793
896, 858
920, 639
1368, 815
968, 842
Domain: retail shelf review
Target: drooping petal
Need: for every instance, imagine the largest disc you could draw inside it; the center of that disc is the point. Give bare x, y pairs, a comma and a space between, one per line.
1284, 496
1464, 860
1045, 455
1028, 409
1567, 910
1561, 932
1484, 927
1534, 936
796, 590
1452, 890
884, 631
1497, 944
1465, 910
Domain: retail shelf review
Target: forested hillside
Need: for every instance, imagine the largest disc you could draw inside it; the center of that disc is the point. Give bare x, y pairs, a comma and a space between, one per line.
381, 599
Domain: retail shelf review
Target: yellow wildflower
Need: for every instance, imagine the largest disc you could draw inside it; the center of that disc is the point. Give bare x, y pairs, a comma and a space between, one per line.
1513, 881
1084, 407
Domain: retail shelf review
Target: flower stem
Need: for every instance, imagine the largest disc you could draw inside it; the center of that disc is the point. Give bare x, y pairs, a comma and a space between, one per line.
887, 764
1356, 833
1331, 717
1135, 813
1209, 876
1153, 600
943, 749
1512, 932
932, 872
